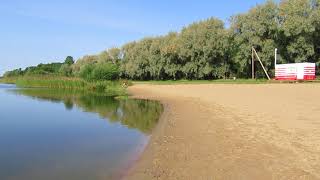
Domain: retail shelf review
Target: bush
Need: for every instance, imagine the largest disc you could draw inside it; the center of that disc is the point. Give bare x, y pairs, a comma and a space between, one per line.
14, 73
105, 71
65, 70
101, 71
86, 71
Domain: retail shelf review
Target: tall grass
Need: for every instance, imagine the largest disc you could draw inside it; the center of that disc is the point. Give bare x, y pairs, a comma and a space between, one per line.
51, 82
112, 88
7, 80
218, 81
223, 81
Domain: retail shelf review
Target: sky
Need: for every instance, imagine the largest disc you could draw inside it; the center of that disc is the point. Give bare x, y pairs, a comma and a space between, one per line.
42, 31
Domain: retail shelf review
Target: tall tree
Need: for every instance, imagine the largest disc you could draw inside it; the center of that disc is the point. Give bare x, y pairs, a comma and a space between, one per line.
170, 57
82, 62
258, 29
316, 35
202, 49
69, 60
296, 30
111, 55
136, 59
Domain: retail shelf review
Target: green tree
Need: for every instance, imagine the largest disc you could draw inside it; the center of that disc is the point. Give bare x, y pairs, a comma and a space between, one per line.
258, 28
136, 59
82, 62
14, 73
69, 60
111, 55
115, 55
316, 35
202, 49
296, 30
170, 65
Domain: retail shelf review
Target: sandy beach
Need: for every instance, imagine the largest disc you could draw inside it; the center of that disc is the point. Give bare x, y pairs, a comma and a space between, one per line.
216, 131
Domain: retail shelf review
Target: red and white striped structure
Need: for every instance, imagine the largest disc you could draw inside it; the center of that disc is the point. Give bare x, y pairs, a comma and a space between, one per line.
297, 71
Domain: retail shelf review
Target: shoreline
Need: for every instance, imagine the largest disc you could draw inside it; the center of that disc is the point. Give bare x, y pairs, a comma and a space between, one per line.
219, 135
146, 153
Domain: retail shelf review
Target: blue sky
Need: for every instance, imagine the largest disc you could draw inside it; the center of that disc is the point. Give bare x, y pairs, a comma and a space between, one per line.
36, 31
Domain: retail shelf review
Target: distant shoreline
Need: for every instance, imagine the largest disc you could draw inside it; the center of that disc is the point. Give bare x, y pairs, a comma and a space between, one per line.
112, 88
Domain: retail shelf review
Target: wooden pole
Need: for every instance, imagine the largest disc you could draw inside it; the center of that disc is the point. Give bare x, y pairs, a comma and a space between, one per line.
252, 63
265, 71
275, 58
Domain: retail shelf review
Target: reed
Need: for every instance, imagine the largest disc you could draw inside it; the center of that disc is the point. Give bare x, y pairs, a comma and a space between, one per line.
112, 88
7, 80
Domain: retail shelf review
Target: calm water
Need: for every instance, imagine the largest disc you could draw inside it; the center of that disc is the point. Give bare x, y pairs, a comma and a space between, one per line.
63, 135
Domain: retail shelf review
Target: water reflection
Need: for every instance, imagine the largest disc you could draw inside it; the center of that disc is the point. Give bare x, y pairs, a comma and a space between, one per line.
55, 134
138, 114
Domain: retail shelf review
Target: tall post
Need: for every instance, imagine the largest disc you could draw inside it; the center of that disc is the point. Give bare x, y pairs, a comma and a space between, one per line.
252, 63
275, 58
264, 69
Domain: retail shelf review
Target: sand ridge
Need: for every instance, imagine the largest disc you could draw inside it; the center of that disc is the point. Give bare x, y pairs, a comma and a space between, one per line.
216, 131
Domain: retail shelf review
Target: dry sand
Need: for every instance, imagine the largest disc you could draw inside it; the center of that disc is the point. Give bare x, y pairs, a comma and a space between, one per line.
269, 131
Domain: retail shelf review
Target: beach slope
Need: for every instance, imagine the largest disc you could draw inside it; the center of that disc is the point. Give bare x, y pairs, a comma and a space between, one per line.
216, 131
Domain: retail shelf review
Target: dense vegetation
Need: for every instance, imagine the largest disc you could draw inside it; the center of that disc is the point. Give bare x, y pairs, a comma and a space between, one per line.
112, 88
207, 49
91, 77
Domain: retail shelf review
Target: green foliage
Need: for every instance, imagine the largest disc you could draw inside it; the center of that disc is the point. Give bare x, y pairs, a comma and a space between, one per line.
198, 52
65, 70
258, 29
69, 60
54, 69
106, 71
13, 73
100, 71
41, 69
8, 80
110, 56
44, 69
203, 47
113, 88
296, 30
82, 62
208, 50
218, 81
86, 71
51, 82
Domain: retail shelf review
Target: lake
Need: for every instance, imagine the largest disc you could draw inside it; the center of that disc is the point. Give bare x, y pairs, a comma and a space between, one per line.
71, 135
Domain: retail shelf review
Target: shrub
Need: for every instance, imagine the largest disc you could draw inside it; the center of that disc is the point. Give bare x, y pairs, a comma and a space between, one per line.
65, 70
105, 71
86, 71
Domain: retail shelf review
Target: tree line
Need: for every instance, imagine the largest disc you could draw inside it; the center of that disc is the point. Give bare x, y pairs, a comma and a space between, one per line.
209, 50
56, 68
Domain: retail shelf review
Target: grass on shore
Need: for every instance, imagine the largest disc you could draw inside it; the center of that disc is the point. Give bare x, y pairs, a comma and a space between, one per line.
222, 81
115, 87
8, 80
218, 81
112, 88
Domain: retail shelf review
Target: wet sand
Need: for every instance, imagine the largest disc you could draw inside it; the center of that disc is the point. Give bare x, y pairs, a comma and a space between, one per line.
212, 131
